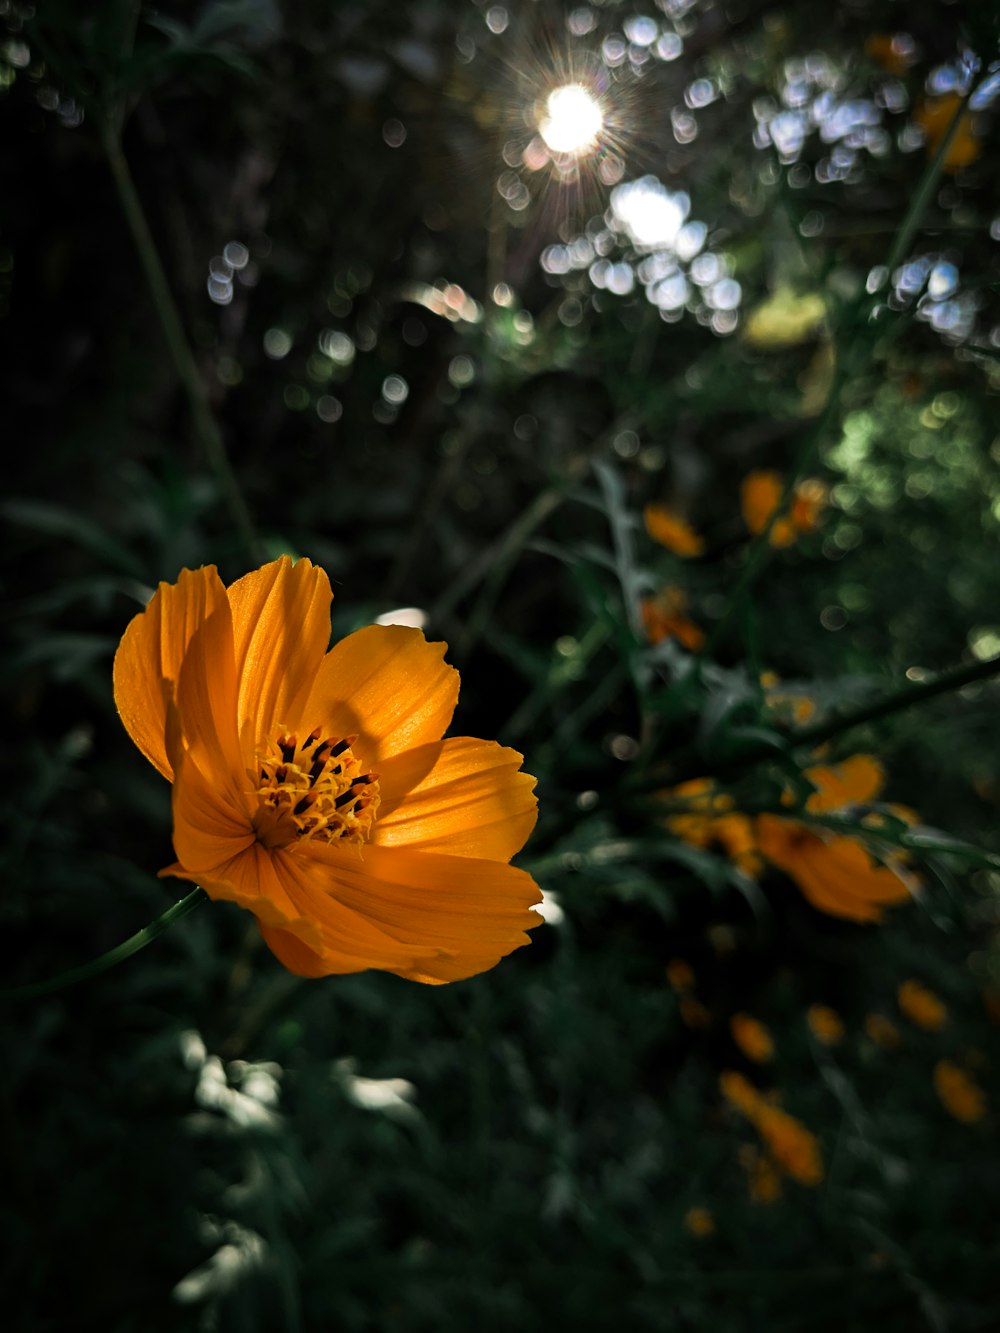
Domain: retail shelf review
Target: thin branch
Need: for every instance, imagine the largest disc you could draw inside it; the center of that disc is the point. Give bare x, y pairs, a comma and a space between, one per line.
114, 956
173, 331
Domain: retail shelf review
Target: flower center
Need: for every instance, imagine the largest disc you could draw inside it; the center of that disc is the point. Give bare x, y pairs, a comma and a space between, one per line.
313, 789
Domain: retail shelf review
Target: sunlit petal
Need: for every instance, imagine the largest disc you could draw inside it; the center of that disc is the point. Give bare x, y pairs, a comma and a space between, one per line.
151, 652
329, 936
281, 629
463, 797
253, 879
388, 686
463, 914
205, 696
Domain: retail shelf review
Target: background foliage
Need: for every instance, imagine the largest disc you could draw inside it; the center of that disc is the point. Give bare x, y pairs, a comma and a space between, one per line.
453, 369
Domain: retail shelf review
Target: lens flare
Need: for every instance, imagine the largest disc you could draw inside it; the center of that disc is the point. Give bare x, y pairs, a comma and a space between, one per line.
572, 121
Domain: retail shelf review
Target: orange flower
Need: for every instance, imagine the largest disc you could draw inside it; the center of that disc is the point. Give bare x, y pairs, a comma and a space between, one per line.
854, 781
793, 1147
680, 975
760, 496
699, 1222
763, 1180
314, 788
740, 1092
693, 1013
921, 1006
789, 1144
824, 1024
787, 705
834, 871
882, 1032
934, 116
752, 1037
671, 531
663, 617
960, 1095
710, 820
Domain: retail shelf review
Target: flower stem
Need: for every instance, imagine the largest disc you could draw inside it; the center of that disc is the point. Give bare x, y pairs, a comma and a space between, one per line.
690, 762
906, 697
205, 425
107, 960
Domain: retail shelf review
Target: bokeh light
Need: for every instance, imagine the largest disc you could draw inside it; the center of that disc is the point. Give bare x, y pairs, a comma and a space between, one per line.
572, 121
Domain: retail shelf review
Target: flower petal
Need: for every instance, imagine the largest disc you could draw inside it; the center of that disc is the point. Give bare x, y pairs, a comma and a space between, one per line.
151, 652
205, 697
855, 781
670, 530
281, 629
462, 797
861, 875
387, 685
836, 874
211, 822
460, 913
301, 921
330, 937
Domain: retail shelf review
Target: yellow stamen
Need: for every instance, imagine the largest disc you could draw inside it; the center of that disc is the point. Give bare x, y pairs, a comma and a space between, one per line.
317, 789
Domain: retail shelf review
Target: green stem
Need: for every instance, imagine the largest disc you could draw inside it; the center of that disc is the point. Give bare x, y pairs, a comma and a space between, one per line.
107, 960
928, 184
173, 331
906, 697
690, 763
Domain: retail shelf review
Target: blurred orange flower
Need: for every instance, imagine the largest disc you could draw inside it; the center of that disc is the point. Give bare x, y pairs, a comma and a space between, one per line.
791, 705
793, 1147
760, 496
763, 1180
670, 530
834, 871
680, 975
883, 1032
856, 780
314, 788
699, 1222
663, 617
709, 820
921, 1006
693, 1013
790, 1145
959, 1094
934, 116
752, 1037
824, 1024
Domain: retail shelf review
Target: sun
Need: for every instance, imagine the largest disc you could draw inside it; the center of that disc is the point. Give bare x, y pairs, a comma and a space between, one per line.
572, 120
